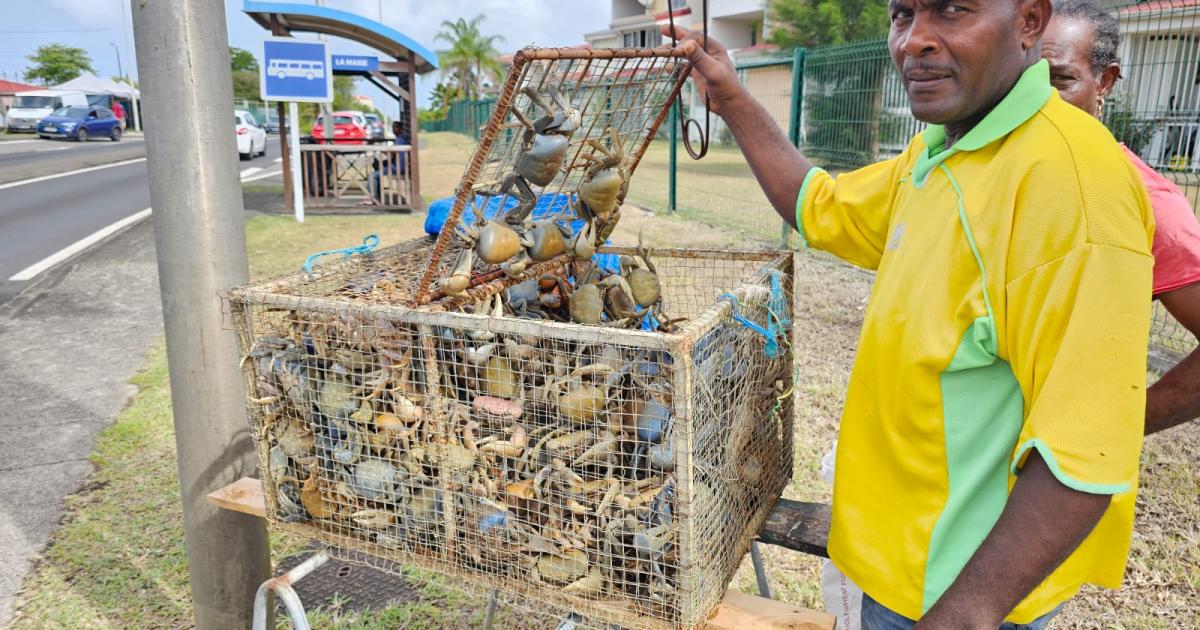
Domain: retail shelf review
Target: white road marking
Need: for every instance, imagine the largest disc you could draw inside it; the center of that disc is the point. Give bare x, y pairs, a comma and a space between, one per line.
42, 265
4, 143
278, 160
38, 267
53, 149
69, 173
260, 176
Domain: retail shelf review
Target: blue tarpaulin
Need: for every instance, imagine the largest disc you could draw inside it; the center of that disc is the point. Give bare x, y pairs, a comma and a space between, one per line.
553, 206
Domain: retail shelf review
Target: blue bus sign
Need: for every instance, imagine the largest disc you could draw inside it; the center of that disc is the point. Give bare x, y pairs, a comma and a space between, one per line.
296, 70
355, 63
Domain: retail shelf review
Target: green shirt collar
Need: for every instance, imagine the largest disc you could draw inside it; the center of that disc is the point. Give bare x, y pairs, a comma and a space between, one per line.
1025, 99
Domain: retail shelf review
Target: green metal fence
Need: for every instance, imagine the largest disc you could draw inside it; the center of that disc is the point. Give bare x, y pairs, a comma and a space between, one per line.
465, 117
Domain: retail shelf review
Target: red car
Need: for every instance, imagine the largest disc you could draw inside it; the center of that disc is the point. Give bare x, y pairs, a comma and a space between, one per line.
349, 127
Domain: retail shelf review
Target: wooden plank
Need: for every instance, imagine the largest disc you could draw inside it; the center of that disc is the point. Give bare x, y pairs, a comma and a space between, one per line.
244, 495
741, 611
737, 611
798, 526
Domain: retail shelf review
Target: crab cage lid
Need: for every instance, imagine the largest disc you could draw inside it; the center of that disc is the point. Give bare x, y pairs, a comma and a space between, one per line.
616, 101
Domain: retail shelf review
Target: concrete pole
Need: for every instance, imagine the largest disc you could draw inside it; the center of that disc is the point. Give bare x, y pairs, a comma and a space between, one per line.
183, 63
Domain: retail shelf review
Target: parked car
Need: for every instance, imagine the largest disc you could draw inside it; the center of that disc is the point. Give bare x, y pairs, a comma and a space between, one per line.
251, 139
29, 108
349, 127
80, 124
272, 123
375, 128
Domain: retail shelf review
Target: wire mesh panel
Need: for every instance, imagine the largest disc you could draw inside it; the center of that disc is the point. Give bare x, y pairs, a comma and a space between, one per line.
572, 122
617, 473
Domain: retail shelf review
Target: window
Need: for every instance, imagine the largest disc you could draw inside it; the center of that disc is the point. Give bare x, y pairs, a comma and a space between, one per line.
676, 5
645, 38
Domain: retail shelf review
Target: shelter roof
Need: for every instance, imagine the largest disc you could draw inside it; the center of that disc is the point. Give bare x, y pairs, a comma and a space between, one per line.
313, 19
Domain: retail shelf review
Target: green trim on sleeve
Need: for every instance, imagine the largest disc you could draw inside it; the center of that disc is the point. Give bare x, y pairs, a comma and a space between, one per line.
812, 172
1063, 478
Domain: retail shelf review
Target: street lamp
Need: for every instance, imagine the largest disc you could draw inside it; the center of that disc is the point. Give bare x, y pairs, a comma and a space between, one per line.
120, 72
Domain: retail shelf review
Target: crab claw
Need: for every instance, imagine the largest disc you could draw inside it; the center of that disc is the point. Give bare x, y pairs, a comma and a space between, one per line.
584, 246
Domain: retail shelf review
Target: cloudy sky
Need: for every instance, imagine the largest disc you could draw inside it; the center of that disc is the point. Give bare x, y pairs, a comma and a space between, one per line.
96, 26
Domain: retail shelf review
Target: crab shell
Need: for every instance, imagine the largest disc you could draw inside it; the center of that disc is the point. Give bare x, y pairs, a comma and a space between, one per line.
547, 240
602, 194
586, 305
542, 162
497, 243
645, 287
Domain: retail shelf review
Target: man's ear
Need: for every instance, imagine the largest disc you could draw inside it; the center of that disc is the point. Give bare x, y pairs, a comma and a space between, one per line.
1034, 17
1108, 79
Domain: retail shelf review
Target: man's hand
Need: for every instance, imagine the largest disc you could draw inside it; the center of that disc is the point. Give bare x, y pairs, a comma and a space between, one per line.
713, 69
1175, 398
1042, 523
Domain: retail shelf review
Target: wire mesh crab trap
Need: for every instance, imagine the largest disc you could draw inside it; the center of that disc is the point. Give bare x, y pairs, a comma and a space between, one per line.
517, 416
620, 474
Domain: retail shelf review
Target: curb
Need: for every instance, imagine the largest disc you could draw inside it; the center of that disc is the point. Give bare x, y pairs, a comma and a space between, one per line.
51, 277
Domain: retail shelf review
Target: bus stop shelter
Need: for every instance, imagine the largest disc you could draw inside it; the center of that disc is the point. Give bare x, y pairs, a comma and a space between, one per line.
402, 59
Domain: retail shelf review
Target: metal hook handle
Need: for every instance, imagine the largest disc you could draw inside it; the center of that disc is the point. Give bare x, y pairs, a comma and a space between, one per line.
690, 122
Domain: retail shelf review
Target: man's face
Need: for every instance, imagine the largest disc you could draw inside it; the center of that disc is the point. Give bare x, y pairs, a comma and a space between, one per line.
396, 128
957, 58
1067, 45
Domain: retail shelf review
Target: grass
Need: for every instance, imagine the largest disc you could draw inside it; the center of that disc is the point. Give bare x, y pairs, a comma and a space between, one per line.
118, 560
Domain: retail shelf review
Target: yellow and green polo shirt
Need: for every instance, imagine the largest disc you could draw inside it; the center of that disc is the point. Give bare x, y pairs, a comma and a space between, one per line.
1008, 314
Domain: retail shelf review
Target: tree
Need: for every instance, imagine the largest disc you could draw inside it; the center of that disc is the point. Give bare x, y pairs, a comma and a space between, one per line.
242, 60
58, 63
444, 95
471, 57
808, 23
245, 85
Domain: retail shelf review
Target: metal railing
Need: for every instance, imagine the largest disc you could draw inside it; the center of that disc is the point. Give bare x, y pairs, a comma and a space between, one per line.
347, 175
465, 117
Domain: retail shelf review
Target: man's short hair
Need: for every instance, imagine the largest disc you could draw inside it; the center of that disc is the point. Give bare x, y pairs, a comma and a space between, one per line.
1105, 29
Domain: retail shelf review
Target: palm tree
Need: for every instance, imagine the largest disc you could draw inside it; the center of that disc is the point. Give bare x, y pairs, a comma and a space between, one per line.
444, 94
471, 55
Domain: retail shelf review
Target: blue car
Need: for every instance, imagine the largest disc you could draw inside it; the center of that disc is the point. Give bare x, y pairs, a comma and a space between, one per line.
80, 123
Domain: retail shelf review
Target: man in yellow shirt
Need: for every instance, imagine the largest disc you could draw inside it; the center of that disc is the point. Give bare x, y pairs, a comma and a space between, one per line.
988, 450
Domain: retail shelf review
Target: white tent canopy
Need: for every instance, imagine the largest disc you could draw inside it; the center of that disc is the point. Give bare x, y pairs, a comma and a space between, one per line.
91, 84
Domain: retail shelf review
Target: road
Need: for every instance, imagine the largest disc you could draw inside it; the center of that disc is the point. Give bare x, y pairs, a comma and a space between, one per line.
71, 335
26, 158
39, 219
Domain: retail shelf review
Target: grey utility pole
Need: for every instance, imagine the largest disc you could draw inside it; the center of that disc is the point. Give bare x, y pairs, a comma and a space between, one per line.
183, 63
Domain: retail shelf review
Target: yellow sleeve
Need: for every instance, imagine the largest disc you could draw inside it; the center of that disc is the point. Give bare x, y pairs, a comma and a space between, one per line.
848, 216
1077, 331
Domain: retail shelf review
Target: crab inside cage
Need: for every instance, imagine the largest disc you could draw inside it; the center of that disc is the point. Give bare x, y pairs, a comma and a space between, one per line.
487, 434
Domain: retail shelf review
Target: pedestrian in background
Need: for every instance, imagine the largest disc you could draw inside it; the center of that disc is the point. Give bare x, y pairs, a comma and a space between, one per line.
119, 112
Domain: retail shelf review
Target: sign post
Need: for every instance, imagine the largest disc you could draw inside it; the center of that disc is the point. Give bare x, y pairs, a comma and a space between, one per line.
296, 71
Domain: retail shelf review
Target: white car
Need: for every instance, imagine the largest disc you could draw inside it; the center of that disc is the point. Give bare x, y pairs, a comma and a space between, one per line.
251, 138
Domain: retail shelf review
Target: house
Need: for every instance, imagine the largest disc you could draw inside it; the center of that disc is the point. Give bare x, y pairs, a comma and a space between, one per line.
741, 25
1160, 60
8, 91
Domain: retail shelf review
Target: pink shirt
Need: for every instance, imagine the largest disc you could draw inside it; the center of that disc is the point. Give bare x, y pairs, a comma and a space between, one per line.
1176, 246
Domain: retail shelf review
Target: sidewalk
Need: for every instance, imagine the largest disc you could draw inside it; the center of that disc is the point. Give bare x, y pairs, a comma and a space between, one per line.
65, 357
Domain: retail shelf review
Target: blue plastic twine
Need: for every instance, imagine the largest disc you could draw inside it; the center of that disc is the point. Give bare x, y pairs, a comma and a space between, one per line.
370, 242
777, 321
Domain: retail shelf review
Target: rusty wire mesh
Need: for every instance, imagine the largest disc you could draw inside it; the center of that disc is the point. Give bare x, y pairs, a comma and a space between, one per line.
621, 97
619, 474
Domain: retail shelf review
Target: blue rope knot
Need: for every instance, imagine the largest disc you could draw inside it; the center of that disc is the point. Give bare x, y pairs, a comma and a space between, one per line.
777, 319
370, 242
